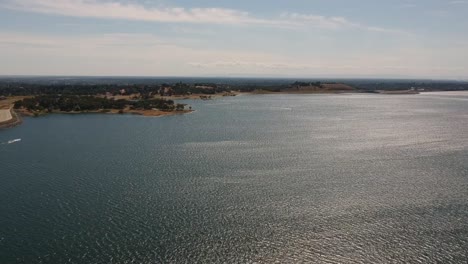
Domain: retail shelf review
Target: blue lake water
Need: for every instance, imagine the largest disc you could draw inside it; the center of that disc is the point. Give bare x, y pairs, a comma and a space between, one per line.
356, 178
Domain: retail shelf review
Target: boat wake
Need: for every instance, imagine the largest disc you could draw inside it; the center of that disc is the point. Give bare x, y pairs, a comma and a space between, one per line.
12, 141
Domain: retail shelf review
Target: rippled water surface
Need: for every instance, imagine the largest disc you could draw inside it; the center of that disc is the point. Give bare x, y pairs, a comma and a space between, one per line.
286, 178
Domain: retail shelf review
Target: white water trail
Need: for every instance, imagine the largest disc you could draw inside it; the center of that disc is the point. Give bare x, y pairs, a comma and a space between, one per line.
11, 141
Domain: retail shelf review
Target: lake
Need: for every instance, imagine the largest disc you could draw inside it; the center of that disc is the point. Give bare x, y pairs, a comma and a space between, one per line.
351, 178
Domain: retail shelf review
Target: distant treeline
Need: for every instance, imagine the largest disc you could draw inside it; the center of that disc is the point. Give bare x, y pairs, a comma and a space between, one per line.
388, 85
316, 84
68, 103
18, 88
146, 91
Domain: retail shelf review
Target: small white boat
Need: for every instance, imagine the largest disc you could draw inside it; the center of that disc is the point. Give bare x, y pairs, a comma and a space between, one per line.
14, 141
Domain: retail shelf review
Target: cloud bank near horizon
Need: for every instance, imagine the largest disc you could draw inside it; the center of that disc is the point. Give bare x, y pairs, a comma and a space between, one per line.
135, 37
213, 15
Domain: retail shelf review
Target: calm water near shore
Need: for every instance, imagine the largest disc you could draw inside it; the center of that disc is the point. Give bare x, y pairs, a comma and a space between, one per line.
357, 178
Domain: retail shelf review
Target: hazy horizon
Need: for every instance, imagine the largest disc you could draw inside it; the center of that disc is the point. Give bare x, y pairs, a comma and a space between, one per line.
404, 39
298, 78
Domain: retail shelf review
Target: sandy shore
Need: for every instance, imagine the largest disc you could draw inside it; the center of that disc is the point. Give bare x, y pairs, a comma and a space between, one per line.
8, 118
5, 115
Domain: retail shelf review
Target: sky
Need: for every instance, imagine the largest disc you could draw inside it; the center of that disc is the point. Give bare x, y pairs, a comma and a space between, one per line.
242, 38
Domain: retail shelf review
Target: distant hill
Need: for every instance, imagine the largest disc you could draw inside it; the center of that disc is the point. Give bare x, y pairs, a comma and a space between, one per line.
317, 88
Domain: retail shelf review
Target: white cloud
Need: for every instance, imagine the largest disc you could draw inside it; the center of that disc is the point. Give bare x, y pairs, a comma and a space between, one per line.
334, 23
116, 10
458, 2
319, 21
136, 12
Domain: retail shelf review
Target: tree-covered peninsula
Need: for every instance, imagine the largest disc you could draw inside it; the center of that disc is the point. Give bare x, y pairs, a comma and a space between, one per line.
42, 104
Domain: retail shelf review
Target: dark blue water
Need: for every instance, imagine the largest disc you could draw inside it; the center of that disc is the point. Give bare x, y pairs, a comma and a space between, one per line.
285, 178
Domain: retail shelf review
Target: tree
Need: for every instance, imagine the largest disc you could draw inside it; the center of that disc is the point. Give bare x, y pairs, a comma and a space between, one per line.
180, 107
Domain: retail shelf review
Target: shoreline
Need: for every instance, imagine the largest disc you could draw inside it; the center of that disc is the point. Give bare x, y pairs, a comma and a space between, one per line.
10, 117
13, 119
5, 115
154, 112
266, 92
